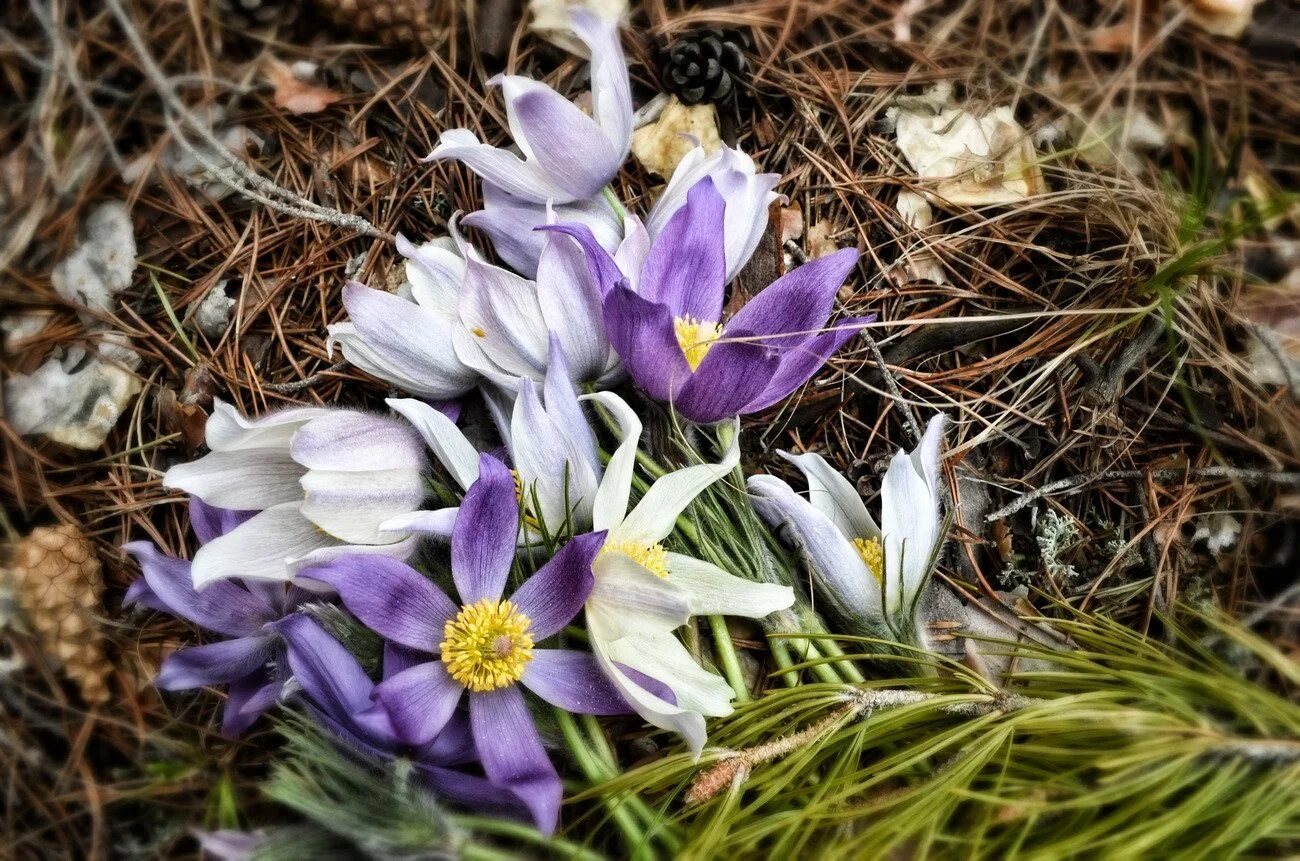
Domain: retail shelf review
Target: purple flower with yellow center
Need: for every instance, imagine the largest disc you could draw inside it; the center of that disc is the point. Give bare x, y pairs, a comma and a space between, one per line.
670, 333
488, 645
250, 659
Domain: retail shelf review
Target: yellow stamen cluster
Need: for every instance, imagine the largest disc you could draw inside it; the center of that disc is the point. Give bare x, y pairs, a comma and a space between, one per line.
487, 645
522, 500
873, 554
652, 557
696, 338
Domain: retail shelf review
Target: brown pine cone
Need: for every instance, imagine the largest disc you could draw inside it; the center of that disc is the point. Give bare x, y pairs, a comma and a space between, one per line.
58, 584
398, 23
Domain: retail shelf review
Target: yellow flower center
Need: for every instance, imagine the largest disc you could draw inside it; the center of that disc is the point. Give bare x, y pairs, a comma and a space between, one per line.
873, 554
522, 500
652, 557
487, 645
696, 338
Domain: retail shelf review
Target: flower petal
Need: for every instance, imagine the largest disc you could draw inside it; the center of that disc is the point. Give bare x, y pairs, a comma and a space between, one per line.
228, 429
511, 223
686, 269
209, 521
260, 548
483, 539
244, 479
799, 302
568, 145
501, 316
447, 442
800, 362
842, 578
712, 591
570, 299
911, 522
390, 598
656, 514
247, 700
601, 266
574, 682
434, 270
439, 523
633, 596
833, 495
611, 92
325, 670
419, 701
227, 608
610, 505
554, 595
737, 369
654, 709
353, 441
353, 506
664, 656
502, 168
546, 460
215, 663
644, 336
512, 752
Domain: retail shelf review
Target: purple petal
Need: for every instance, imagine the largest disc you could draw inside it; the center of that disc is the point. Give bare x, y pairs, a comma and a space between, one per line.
419, 701
571, 306
797, 304
398, 658
565, 142
225, 606
389, 597
800, 363
687, 266
573, 681
500, 167
731, 375
611, 91
439, 523
141, 594
209, 522
642, 333
476, 793
512, 753
229, 845
215, 663
247, 700
483, 539
554, 595
511, 223
327, 672
600, 265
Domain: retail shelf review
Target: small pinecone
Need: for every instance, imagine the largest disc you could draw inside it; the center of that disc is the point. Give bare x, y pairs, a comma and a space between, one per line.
397, 23
239, 15
58, 583
705, 66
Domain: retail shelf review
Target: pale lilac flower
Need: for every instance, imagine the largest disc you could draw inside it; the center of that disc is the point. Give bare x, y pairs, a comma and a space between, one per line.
510, 223
666, 322
567, 155
322, 481
251, 658
487, 644
873, 576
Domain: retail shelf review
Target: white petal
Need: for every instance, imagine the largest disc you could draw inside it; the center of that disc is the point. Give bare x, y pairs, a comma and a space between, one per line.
259, 548
445, 440
664, 658
447, 382
570, 303
353, 441
243, 479
401, 549
712, 591
501, 312
833, 495
633, 250
546, 459
910, 522
352, 505
227, 429
435, 272
616, 486
657, 512
438, 523
637, 600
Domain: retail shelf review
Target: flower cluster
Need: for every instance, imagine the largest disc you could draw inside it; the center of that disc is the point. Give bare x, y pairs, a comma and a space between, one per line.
555, 566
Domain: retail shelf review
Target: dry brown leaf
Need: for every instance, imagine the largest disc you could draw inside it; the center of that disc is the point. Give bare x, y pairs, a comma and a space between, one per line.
297, 96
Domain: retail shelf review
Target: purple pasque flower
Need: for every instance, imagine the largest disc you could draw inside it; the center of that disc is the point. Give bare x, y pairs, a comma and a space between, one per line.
250, 659
567, 155
666, 322
321, 480
487, 645
339, 696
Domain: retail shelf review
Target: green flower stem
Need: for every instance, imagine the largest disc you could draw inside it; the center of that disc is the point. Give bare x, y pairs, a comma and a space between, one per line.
781, 655
831, 649
614, 202
519, 831
727, 657
651, 819
591, 768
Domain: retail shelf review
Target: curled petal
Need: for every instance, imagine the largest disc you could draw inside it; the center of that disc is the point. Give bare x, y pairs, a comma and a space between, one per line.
833, 495
502, 168
351, 441
227, 608
228, 429
610, 506
511, 224
443, 438
800, 362
260, 548
419, 701
555, 594
797, 305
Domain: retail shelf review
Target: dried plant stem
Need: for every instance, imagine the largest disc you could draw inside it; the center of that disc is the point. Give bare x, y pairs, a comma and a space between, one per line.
294, 386
1246, 476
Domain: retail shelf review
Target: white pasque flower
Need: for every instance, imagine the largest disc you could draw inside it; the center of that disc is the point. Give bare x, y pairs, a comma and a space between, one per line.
643, 592
872, 576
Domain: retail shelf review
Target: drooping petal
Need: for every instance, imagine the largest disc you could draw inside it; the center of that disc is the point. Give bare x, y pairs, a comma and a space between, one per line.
512, 752
657, 512
799, 302
555, 594
209, 521
439, 523
574, 682
686, 269
511, 223
502, 168
260, 548
447, 442
610, 505
643, 334
799, 363
247, 700
502, 318
833, 495
711, 591
228, 429
402, 343
326, 671
654, 709
570, 300
910, 521
611, 92
925, 457
483, 539
227, 608
634, 597
842, 577
663, 654
250, 479
737, 369
140, 594
389, 597
353, 506
215, 663
568, 145
352, 441
400, 550
419, 701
